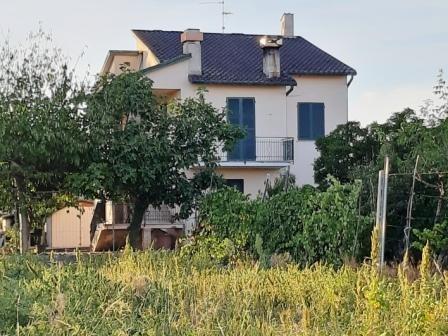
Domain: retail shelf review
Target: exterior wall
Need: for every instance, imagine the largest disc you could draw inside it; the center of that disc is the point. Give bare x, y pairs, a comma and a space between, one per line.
69, 228
270, 105
270, 102
149, 59
119, 60
333, 92
276, 113
254, 178
173, 77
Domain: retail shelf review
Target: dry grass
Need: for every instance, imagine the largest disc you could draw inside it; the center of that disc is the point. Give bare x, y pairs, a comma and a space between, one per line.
163, 294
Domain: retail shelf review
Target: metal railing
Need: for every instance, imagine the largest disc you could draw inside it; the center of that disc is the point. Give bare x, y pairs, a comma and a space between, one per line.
163, 215
261, 149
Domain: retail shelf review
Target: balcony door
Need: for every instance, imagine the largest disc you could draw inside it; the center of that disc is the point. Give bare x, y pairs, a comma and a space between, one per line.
241, 112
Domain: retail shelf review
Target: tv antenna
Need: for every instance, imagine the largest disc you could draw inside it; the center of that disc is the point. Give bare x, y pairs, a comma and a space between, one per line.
224, 13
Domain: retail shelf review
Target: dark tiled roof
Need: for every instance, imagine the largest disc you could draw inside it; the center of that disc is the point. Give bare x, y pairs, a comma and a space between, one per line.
238, 58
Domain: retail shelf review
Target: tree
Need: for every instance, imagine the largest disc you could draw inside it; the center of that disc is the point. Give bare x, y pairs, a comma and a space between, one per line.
436, 109
142, 149
348, 147
40, 128
352, 152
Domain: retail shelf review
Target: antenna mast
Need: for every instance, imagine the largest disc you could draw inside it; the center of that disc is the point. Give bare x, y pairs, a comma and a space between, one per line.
224, 13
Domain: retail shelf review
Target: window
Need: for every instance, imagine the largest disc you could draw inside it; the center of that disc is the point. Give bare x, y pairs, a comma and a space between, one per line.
241, 112
238, 184
311, 121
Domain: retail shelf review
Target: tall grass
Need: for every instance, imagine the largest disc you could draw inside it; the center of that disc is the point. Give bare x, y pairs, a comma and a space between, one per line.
160, 293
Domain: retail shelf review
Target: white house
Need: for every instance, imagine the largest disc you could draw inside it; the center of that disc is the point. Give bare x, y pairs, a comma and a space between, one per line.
285, 91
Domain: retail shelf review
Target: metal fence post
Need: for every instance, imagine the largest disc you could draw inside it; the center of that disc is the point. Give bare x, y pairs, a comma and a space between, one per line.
379, 213
384, 211
381, 209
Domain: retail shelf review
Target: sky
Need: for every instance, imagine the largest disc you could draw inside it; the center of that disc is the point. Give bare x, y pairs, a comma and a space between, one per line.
396, 46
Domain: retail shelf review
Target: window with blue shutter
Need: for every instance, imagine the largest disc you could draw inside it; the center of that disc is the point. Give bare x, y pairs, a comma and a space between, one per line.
311, 121
241, 112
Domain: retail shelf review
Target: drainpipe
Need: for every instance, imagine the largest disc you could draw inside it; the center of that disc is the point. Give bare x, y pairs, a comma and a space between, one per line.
350, 80
291, 88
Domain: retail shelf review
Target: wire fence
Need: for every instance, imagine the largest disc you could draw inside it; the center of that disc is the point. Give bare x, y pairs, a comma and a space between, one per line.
416, 204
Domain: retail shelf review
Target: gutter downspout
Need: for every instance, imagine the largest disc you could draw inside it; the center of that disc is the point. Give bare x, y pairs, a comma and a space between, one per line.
291, 88
350, 80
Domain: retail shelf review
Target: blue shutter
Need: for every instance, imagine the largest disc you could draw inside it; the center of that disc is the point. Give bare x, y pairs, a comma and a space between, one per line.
304, 121
234, 118
311, 121
241, 112
233, 111
318, 120
248, 108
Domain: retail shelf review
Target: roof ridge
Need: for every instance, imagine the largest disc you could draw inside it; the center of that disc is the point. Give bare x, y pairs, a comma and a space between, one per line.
210, 33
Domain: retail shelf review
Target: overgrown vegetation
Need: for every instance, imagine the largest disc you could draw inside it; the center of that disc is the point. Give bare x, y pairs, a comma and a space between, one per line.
156, 293
308, 224
41, 129
352, 152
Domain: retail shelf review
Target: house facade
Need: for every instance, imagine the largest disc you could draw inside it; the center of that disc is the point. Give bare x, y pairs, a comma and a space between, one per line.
283, 90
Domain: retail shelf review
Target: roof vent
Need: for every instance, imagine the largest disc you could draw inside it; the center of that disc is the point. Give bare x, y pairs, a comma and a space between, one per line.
271, 55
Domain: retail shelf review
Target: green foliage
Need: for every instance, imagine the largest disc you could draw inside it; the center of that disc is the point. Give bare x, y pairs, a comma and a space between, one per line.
308, 224
352, 152
347, 148
41, 128
226, 214
160, 293
12, 240
142, 148
208, 251
281, 183
437, 235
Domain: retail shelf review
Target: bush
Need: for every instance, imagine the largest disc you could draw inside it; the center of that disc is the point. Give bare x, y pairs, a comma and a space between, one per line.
309, 224
208, 251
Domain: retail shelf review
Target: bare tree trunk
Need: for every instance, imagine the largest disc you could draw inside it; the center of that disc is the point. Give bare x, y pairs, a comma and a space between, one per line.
23, 216
135, 236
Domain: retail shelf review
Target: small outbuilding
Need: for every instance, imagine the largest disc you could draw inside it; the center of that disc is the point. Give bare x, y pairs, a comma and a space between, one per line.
69, 228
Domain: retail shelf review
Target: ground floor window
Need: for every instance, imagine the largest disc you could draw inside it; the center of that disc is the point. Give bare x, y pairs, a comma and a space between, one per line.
238, 184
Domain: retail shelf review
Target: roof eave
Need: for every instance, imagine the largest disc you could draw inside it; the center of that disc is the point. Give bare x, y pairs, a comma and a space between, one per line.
286, 82
324, 73
172, 61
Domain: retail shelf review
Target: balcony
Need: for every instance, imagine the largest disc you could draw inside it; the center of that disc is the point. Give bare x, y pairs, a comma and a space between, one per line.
263, 151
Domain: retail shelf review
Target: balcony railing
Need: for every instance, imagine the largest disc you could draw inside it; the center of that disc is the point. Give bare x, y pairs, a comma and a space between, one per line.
261, 149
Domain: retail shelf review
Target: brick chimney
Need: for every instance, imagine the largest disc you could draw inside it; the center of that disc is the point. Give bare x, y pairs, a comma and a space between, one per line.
287, 25
271, 55
191, 41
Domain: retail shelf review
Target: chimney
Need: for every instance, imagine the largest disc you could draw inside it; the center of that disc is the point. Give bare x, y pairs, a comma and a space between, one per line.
287, 25
271, 55
191, 41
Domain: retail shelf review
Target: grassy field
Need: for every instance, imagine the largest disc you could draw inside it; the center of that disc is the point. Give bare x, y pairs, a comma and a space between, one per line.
155, 293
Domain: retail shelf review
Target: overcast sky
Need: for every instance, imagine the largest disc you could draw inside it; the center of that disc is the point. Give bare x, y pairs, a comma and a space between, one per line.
397, 46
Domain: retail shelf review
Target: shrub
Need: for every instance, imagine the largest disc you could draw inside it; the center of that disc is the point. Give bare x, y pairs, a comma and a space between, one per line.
309, 224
